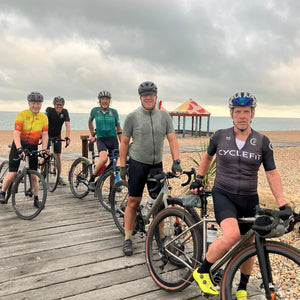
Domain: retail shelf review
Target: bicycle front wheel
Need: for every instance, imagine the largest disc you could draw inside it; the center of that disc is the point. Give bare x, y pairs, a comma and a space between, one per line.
79, 175
118, 202
172, 249
105, 184
52, 172
23, 194
284, 264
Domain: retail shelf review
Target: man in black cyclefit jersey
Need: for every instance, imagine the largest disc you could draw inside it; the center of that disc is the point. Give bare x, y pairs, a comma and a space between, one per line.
239, 151
57, 116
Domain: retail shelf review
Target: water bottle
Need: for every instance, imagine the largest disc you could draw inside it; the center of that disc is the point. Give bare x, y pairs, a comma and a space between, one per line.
147, 206
211, 235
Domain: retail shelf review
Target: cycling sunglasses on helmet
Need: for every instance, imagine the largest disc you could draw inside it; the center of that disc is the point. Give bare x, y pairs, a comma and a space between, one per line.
245, 101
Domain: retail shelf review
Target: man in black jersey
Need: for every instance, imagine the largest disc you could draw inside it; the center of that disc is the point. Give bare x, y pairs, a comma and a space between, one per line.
57, 116
240, 151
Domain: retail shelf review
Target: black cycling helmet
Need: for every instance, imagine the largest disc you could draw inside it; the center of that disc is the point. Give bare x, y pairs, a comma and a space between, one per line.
242, 99
147, 87
35, 97
103, 94
59, 99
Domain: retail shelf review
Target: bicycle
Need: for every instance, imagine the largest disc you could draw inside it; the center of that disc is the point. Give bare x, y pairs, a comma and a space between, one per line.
50, 167
4, 168
82, 170
172, 260
26, 185
160, 191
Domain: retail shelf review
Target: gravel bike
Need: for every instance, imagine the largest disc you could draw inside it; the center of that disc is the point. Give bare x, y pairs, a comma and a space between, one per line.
82, 170
171, 261
50, 167
161, 196
28, 184
4, 167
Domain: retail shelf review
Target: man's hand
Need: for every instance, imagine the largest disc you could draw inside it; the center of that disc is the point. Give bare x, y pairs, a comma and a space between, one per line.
196, 186
45, 153
176, 168
68, 141
123, 172
287, 210
20, 152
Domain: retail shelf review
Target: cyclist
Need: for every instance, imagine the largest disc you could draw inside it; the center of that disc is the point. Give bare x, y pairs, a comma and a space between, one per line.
108, 130
30, 125
240, 151
147, 127
57, 116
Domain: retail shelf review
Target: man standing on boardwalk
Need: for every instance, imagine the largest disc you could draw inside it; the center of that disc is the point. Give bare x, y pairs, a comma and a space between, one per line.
147, 127
57, 116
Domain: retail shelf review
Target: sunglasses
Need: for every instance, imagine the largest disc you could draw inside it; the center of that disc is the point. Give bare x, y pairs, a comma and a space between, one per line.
245, 101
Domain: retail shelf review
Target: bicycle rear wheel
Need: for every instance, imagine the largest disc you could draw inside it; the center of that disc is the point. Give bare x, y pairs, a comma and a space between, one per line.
284, 263
4, 168
104, 188
52, 172
23, 195
79, 175
169, 272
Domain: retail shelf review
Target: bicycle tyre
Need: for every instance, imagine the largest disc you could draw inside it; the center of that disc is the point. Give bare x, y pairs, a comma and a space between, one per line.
22, 200
169, 273
52, 172
284, 260
104, 187
79, 175
4, 169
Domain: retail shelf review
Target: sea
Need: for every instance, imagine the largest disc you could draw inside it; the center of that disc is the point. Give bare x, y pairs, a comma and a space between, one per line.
79, 121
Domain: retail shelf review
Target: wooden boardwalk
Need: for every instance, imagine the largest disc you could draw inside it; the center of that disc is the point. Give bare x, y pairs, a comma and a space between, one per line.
73, 250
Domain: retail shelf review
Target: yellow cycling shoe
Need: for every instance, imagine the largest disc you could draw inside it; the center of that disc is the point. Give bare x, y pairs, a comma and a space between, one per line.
241, 295
204, 282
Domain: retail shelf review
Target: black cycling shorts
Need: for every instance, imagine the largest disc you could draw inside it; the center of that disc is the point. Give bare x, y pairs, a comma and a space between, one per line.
138, 174
56, 144
227, 205
14, 162
107, 144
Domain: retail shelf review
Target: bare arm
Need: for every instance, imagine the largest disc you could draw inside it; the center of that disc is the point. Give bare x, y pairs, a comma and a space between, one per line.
119, 129
276, 186
205, 164
44, 139
67, 129
92, 130
124, 145
173, 145
17, 138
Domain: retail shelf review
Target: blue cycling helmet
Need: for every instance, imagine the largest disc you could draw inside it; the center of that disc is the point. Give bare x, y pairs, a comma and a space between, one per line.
242, 99
35, 97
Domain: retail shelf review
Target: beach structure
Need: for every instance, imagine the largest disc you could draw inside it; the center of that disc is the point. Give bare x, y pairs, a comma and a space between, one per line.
193, 110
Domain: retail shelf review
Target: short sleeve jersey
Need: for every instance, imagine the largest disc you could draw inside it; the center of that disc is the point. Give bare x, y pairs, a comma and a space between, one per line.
148, 130
237, 170
56, 121
106, 123
31, 126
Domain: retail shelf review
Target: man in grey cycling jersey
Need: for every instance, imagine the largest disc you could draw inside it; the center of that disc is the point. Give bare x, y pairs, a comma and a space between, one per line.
240, 151
147, 127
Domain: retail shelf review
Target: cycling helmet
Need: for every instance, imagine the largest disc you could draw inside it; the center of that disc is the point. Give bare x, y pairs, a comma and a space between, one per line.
35, 97
58, 99
104, 94
147, 87
242, 99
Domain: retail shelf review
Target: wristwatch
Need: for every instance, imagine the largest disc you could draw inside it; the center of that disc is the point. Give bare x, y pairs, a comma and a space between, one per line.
177, 161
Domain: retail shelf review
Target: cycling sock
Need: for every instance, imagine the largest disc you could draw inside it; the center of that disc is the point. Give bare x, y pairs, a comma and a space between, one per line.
36, 197
128, 235
92, 178
205, 267
243, 282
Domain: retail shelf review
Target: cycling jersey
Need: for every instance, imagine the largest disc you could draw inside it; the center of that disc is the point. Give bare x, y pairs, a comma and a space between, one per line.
56, 121
31, 126
148, 130
236, 170
106, 122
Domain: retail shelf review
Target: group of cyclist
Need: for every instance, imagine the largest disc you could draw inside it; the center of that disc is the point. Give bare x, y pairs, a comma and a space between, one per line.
239, 150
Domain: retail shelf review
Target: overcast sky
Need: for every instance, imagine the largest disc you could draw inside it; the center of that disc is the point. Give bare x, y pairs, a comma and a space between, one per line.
202, 49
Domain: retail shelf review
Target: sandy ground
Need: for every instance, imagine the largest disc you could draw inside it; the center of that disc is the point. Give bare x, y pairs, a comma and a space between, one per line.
286, 161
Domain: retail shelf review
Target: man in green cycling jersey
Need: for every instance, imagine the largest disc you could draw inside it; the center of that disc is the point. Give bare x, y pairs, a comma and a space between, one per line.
240, 151
107, 130
147, 127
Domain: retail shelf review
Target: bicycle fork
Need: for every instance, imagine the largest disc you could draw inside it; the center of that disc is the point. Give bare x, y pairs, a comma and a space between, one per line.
264, 265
